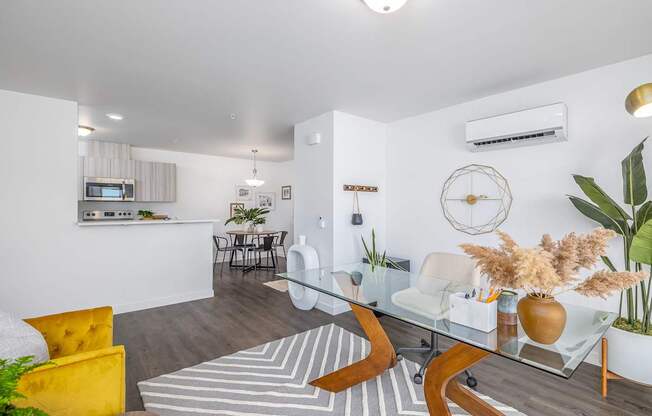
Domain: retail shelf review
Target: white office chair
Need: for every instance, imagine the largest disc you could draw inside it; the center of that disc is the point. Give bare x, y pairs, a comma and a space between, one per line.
428, 298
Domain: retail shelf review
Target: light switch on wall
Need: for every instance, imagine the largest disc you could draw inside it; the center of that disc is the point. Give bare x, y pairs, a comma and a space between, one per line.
322, 222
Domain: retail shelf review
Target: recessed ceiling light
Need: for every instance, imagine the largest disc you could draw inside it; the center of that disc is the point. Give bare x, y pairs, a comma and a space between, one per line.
115, 116
84, 131
385, 6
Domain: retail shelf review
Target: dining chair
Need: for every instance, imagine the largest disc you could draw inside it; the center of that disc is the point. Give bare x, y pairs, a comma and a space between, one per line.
267, 246
280, 243
242, 245
222, 245
426, 298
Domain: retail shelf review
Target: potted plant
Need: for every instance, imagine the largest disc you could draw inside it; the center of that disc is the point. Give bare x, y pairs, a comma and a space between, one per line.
145, 214
249, 217
630, 338
10, 373
375, 258
546, 271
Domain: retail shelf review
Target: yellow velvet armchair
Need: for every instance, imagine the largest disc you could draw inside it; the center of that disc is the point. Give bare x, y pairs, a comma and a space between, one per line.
88, 374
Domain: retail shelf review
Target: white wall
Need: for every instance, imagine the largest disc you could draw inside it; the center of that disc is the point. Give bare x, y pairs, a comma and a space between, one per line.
359, 159
49, 264
352, 151
424, 150
313, 191
206, 186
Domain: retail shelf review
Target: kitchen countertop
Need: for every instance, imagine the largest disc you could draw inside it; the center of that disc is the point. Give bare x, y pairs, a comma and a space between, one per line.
142, 222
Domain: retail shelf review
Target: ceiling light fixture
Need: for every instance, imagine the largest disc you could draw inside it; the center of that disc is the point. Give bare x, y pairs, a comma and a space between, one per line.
115, 116
255, 182
84, 131
385, 6
639, 102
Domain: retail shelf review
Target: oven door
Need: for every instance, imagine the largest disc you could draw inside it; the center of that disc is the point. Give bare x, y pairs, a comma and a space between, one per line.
104, 189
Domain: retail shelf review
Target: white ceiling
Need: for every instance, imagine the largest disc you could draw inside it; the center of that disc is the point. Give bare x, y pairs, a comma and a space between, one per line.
177, 69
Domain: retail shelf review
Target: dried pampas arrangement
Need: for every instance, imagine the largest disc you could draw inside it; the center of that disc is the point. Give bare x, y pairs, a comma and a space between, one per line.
553, 266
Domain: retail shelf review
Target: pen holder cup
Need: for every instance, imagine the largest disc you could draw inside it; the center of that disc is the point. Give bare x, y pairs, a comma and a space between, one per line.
471, 313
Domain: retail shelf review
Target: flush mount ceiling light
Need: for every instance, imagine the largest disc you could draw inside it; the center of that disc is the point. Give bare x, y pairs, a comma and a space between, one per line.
385, 6
84, 131
115, 116
639, 102
255, 182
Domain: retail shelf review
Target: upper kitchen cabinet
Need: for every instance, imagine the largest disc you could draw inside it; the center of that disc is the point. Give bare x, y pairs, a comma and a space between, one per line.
155, 181
100, 167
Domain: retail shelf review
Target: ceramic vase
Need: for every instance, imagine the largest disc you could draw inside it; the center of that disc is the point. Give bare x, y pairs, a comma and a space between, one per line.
543, 318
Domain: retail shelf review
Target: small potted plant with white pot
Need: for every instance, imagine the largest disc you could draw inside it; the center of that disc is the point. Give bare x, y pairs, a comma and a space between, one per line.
630, 338
249, 217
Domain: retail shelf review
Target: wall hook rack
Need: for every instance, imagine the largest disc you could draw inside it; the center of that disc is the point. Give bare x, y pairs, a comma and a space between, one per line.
361, 188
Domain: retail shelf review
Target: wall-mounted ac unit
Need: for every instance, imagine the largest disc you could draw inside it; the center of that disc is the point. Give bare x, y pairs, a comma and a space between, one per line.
539, 125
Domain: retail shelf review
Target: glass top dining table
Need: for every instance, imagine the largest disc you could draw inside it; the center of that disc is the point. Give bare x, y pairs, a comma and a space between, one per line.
380, 290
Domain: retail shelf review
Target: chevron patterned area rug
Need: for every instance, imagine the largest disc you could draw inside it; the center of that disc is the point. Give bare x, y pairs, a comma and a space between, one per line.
272, 379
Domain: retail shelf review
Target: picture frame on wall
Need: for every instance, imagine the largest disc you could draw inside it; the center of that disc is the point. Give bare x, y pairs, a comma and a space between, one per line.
243, 193
286, 192
233, 206
266, 200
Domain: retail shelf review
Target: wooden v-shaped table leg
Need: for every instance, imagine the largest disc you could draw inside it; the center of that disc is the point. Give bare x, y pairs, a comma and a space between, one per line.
381, 357
440, 383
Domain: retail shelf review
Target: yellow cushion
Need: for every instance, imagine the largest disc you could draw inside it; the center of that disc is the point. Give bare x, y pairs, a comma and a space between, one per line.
87, 376
74, 332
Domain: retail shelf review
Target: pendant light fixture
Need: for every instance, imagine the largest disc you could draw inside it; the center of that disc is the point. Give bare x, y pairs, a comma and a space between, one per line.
639, 102
385, 6
255, 182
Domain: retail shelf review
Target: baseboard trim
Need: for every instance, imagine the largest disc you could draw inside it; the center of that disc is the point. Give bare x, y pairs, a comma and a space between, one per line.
163, 301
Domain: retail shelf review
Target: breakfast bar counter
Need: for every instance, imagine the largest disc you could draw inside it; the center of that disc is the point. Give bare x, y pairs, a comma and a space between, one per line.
143, 222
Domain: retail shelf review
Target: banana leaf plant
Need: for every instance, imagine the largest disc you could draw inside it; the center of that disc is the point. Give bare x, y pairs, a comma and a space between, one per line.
634, 227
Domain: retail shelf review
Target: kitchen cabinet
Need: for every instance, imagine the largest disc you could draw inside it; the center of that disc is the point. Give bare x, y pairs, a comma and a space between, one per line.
155, 181
100, 167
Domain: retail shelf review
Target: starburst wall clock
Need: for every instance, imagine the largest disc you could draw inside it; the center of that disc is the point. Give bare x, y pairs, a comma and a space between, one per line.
476, 199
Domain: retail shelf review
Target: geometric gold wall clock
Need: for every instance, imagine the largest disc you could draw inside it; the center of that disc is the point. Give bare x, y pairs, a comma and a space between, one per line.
476, 199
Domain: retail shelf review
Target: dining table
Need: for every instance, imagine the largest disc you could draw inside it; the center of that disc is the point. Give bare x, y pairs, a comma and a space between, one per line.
373, 291
248, 239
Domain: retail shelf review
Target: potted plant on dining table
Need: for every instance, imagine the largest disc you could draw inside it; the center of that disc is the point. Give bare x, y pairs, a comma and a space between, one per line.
249, 217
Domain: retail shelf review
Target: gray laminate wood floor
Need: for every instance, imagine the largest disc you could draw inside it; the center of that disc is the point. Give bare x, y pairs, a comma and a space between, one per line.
245, 313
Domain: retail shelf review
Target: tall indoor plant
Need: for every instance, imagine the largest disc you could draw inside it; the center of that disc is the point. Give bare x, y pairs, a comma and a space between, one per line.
631, 336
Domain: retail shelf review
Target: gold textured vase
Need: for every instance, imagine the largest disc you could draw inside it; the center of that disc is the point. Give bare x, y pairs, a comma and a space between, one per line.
543, 318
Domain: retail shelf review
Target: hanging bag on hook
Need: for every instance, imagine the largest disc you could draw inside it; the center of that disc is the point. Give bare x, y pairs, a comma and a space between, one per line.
356, 218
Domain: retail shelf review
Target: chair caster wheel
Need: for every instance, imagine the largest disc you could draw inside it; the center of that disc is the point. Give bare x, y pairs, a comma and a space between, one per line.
418, 379
399, 357
471, 382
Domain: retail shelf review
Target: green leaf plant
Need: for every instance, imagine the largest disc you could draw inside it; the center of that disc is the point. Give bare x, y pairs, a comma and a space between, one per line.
10, 373
375, 258
635, 230
254, 216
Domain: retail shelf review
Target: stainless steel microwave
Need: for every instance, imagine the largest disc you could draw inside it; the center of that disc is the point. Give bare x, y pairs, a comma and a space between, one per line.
109, 189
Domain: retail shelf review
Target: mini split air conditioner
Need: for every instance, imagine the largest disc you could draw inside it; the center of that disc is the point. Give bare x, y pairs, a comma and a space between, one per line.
539, 125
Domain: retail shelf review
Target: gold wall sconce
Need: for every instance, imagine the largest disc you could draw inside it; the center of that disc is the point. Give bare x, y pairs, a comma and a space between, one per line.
639, 102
